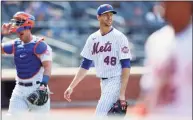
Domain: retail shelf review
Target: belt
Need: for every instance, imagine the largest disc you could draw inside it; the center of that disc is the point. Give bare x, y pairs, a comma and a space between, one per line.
104, 78
107, 78
28, 84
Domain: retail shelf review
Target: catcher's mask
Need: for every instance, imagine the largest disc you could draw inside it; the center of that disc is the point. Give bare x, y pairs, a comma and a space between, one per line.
22, 21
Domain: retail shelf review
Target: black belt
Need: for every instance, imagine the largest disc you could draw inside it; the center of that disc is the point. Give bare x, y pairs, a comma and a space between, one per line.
28, 84
104, 78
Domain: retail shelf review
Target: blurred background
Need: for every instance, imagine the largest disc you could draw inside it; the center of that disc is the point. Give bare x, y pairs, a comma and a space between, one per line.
65, 27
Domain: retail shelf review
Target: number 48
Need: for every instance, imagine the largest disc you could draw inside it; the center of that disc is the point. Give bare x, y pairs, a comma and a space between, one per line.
110, 60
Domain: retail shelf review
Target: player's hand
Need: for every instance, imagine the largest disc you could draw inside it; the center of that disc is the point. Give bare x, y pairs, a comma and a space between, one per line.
42, 87
67, 94
5, 29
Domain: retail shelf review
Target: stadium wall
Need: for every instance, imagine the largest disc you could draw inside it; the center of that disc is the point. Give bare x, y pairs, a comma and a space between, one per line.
87, 90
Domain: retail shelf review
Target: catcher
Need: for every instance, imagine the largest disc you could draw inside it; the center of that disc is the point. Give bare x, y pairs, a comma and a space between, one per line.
33, 60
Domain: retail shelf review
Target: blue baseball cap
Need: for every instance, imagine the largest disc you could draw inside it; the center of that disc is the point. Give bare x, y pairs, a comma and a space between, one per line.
104, 8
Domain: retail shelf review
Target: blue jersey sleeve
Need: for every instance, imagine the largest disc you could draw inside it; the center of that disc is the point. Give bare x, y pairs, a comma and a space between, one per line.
2, 37
125, 63
40, 47
8, 47
86, 63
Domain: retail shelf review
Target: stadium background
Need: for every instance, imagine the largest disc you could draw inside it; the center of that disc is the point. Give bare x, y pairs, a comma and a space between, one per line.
66, 26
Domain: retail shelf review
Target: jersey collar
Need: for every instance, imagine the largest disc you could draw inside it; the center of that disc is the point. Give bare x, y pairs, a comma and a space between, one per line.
108, 32
186, 31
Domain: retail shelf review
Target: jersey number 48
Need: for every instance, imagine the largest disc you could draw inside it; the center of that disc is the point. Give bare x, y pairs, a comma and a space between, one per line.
110, 60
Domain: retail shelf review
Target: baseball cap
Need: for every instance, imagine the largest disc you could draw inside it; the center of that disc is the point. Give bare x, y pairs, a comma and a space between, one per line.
104, 8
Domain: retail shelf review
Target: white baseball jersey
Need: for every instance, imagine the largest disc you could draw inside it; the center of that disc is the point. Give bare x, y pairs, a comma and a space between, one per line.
182, 77
178, 64
106, 51
156, 49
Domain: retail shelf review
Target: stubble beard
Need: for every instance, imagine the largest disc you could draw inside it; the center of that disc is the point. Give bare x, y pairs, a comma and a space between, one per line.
108, 25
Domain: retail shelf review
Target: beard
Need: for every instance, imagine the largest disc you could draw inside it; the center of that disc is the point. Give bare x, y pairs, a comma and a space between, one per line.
107, 24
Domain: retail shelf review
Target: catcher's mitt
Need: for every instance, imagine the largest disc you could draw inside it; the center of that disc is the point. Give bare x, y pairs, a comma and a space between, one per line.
38, 97
118, 109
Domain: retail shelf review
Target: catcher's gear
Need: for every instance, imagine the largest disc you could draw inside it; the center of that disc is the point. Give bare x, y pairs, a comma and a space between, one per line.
38, 97
22, 21
118, 109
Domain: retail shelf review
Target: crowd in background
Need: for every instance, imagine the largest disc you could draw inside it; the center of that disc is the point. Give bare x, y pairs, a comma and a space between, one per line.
72, 22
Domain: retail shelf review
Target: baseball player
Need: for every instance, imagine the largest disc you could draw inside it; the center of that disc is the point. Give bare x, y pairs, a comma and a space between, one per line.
171, 89
108, 49
33, 60
156, 49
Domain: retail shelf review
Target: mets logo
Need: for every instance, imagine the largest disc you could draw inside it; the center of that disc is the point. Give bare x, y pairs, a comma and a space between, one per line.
108, 6
125, 49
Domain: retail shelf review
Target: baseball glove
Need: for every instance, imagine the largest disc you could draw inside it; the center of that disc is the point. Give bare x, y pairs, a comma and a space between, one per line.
39, 97
118, 109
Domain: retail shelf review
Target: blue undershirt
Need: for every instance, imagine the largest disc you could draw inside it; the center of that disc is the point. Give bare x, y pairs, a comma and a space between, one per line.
86, 63
125, 63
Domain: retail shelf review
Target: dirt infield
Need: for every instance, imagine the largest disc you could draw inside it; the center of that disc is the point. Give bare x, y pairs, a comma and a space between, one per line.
87, 114
75, 111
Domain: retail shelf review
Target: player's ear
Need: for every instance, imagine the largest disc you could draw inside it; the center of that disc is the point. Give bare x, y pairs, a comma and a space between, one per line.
98, 17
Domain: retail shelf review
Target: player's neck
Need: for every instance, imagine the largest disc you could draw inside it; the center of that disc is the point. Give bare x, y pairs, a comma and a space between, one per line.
105, 30
28, 39
181, 25
184, 31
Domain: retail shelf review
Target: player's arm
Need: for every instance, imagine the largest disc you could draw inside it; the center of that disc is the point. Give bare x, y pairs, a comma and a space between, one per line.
46, 60
44, 52
125, 56
86, 63
47, 65
6, 48
125, 63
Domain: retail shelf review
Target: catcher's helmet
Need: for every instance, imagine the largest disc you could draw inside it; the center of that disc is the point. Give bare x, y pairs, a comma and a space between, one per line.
22, 21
